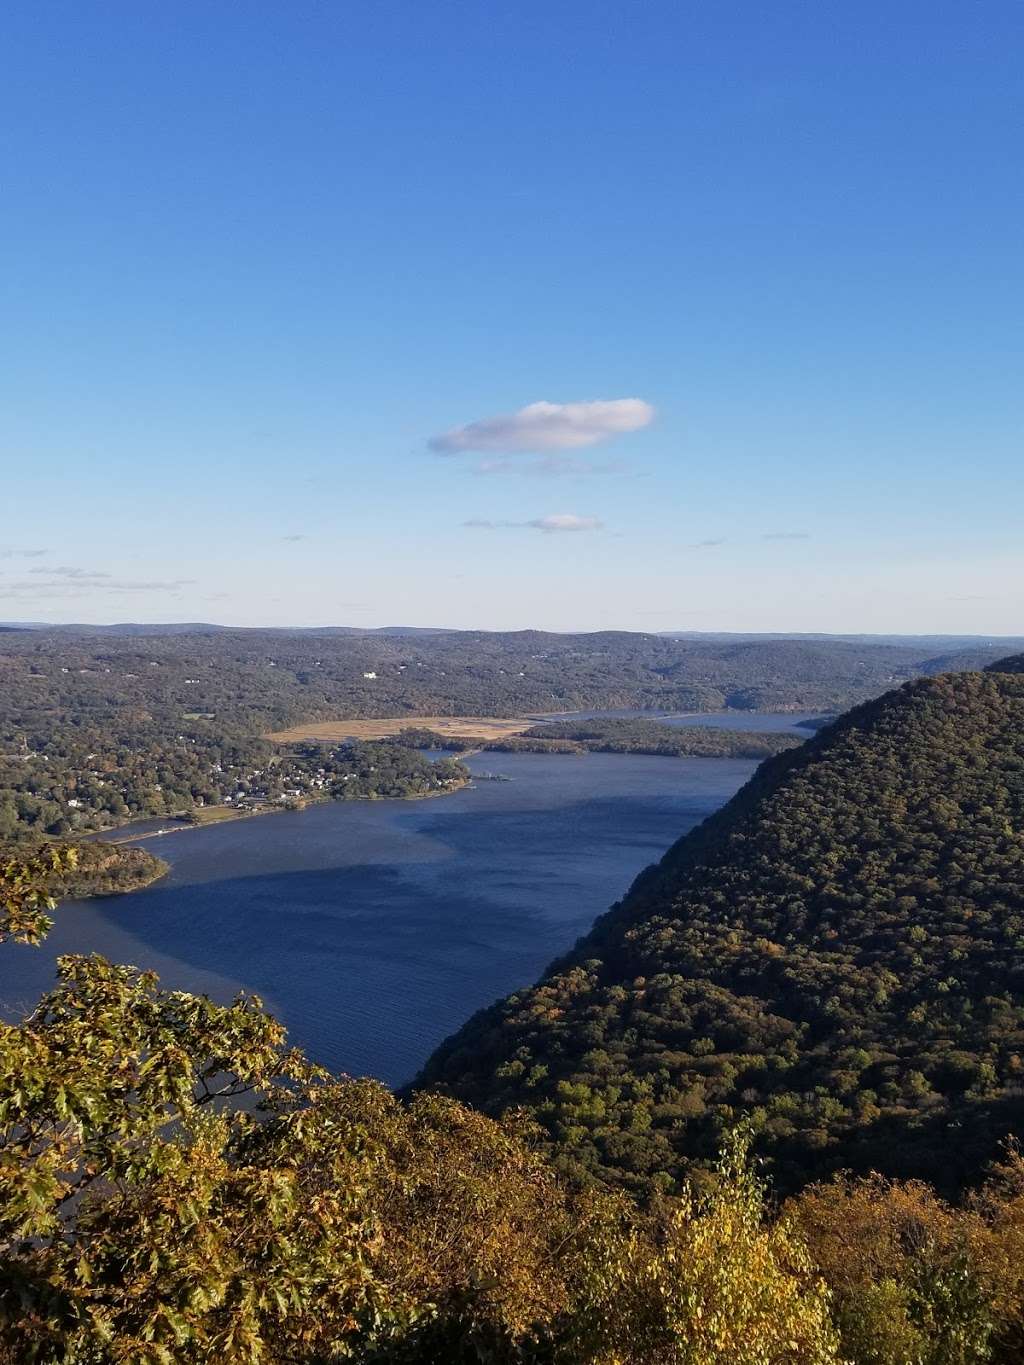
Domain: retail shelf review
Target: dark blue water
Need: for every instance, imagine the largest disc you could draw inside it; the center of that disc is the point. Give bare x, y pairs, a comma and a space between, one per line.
374, 929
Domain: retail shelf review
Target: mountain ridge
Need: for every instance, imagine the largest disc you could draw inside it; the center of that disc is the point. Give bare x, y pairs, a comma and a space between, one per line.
837, 957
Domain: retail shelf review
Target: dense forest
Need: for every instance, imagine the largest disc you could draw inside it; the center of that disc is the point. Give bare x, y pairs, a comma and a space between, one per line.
829, 972
836, 957
260, 680
98, 728
640, 736
614, 736
178, 1186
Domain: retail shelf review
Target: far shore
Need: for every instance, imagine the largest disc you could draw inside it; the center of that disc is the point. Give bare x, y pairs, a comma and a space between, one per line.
224, 815
479, 728
467, 727
447, 727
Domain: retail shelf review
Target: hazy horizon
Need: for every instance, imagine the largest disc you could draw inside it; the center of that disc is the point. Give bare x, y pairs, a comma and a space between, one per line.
395, 627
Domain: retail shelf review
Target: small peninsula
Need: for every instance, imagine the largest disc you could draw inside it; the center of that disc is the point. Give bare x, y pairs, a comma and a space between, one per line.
101, 869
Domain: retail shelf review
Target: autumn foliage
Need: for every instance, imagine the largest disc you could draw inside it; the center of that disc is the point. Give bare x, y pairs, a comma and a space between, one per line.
178, 1185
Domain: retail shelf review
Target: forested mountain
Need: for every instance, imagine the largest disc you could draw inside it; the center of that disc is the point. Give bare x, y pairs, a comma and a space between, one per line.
180, 1186
837, 958
837, 955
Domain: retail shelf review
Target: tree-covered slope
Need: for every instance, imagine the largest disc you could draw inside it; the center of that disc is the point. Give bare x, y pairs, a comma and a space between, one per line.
1015, 664
838, 955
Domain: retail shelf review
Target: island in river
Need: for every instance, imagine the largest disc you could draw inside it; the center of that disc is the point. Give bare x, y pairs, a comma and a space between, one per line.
640, 735
688, 736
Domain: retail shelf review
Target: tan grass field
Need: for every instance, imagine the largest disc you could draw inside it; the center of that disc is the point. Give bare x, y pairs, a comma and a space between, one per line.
458, 727
214, 815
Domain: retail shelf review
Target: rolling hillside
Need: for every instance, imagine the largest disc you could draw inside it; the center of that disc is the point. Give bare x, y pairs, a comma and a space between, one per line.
837, 956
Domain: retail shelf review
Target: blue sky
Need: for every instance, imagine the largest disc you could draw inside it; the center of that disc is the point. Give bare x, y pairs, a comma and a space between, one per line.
279, 279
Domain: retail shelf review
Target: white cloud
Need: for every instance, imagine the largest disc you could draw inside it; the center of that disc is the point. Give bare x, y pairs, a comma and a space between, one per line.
565, 521
9, 552
66, 571
545, 426
551, 525
786, 535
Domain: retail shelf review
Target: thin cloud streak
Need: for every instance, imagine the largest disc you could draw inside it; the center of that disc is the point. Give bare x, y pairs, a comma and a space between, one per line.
565, 521
66, 571
550, 467
78, 588
556, 524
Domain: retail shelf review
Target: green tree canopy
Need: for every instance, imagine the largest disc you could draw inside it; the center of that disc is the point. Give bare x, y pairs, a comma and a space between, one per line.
837, 955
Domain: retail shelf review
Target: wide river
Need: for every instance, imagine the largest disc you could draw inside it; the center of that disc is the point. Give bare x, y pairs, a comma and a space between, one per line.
374, 929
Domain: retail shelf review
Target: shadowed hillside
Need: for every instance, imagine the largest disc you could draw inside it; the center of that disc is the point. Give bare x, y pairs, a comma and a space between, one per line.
838, 955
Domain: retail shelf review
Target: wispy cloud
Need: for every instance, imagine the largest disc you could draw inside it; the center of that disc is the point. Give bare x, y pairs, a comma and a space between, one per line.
565, 521
77, 587
543, 426
550, 467
66, 571
714, 543
292, 540
554, 524
152, 585
10, 552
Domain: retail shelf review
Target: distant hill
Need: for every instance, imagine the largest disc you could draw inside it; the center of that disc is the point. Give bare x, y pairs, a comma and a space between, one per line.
272, 678
923, 646
206, 628
178, 711
836, 956
922, 642
119, 628
965, 659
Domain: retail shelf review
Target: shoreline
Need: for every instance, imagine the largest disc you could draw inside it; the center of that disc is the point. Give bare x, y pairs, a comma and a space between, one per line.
181, 822
184, 825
